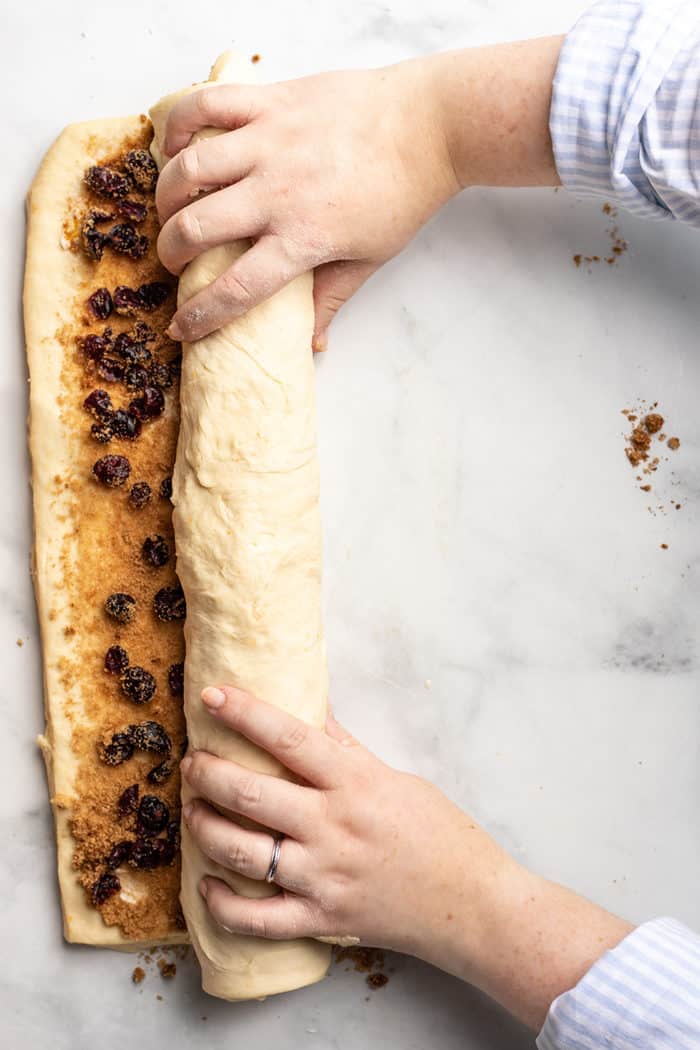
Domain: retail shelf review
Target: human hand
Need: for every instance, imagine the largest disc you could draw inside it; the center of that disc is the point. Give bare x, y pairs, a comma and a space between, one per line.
368, 851
335, 172
384, 856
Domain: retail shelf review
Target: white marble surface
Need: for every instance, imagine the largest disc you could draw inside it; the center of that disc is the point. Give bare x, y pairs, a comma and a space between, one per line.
483, 532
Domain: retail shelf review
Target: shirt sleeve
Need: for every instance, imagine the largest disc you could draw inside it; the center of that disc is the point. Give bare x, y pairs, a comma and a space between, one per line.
625, 115
642, 995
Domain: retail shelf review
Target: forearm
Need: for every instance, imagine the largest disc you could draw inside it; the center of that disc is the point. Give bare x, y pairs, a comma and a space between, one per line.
493, 104
528, 941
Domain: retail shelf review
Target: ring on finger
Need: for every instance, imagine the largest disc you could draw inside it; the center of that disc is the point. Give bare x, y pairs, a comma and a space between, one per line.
274, 859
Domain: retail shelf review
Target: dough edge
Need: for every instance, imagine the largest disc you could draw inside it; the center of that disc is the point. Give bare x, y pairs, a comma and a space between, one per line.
51, 273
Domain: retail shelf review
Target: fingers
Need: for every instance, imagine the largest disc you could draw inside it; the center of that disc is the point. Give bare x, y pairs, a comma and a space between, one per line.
209, 163
230, 214
298, 746
215, 106
279, 918
334, 283
256, 275
247, 852
268, 800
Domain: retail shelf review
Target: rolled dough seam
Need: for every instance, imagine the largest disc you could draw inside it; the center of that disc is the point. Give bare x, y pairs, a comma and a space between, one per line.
247, 529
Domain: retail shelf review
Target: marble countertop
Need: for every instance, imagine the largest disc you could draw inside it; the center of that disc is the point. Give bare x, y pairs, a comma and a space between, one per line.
501, 616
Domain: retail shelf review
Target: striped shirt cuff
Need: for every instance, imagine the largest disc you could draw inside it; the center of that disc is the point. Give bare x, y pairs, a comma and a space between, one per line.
625, 116
645, 993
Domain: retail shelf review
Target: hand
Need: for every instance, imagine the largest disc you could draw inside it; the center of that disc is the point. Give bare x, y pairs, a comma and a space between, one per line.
368, 851
336, 171
384, 856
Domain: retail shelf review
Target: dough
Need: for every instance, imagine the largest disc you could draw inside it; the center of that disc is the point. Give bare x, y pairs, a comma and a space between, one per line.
248, 539
54, 276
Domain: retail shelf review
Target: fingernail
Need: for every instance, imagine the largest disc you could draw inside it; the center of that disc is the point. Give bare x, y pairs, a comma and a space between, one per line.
173, 332
203, 888
213, 697
188, 810
185, 765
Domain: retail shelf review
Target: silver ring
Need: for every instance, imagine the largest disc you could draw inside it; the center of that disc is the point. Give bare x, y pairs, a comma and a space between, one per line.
274, 859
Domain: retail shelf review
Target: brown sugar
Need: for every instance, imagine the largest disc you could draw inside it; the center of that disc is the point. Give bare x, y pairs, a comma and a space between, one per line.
618, 245
653, 422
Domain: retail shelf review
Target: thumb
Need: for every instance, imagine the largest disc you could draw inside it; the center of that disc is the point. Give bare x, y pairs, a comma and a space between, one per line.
334, 283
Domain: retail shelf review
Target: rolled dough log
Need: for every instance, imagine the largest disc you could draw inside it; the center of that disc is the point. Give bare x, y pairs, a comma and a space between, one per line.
247, 530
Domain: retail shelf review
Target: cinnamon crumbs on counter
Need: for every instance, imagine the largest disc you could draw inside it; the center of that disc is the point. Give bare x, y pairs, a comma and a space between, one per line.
618, 245
646, 433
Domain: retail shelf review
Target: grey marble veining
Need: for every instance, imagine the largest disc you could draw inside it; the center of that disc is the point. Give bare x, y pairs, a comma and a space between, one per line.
501, 617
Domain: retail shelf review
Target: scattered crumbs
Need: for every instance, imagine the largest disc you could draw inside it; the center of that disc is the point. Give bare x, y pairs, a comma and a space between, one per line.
20, 642
138, 974
618, 245
255, 58
160, 998
364, 959
645, 488
664, 546
369, 961
673, 443
167, 969
204, 1017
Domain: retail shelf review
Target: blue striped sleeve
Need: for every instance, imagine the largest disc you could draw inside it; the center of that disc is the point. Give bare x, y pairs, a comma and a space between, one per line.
625, 115
645, 993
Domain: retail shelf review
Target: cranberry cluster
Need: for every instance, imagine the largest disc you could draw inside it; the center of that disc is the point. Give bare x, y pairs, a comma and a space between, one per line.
137, 173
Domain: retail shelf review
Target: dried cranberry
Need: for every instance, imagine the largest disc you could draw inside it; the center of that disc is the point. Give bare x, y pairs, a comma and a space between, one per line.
160, 375
133, 351
118, 750
153, 814
120, 607
140, 495
95, 346
106, 182
111, 369
159, 774
128, 801
124, 239
153, 294
112, 470
126, 300
150, 404
116, 659
166, 488
169, 604
105, 887
146, 853
100, 302
138, 684
136, 377
150, 736
92, 241
155, 551
176, 679
135, 211
125, 425
142, 168
98, 404
102, 432
119, 854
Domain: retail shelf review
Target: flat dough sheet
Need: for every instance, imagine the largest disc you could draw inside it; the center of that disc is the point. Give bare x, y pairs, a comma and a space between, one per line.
52, 275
